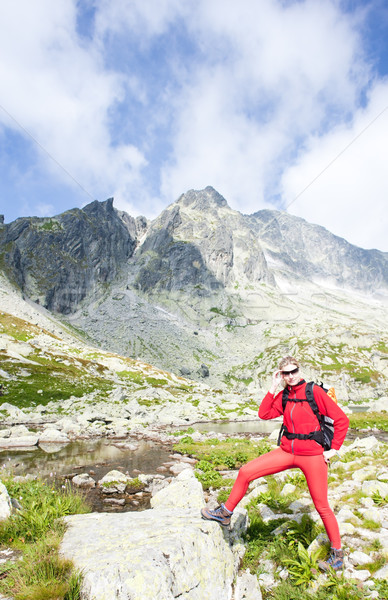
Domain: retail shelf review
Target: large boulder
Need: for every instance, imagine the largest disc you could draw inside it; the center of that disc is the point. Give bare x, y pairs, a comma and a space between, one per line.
53, 435
114, 482
19, 437
157, 554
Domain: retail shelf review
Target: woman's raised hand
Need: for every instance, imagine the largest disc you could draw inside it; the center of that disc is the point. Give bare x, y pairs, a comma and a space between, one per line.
276, 379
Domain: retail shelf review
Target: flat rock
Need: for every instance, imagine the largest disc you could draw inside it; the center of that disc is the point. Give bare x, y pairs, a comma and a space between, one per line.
157, 554
19, 442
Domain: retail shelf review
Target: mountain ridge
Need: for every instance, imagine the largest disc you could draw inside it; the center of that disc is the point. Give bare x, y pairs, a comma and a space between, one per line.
207, 291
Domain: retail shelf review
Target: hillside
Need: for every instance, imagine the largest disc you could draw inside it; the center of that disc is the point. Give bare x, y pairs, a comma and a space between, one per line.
210, 294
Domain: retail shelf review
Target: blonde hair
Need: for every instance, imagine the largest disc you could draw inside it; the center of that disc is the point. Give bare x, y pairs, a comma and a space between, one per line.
288, 360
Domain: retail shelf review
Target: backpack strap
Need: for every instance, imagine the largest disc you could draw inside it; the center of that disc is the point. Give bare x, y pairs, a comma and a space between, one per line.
285, 398
314, 435
311, 399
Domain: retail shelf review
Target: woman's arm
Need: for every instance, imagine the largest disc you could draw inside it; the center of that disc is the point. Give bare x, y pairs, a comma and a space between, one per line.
271, 406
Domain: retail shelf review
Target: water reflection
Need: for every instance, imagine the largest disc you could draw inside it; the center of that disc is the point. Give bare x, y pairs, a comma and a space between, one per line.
99, 455
257, 426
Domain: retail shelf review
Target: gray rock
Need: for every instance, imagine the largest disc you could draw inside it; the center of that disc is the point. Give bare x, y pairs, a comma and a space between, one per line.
369, 487
203, 371
5, 503
158, 554
15, 413
360, 575
59, 261
247, 587
53, 435
83, 480
114, 482
359, 558
179, 467
345, 514
177, 493
19, 442
382, 573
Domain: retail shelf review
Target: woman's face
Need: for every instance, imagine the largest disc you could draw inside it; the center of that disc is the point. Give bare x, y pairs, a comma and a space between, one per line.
291, 374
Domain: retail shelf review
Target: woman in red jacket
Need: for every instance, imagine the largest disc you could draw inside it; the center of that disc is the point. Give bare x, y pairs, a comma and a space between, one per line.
305, 454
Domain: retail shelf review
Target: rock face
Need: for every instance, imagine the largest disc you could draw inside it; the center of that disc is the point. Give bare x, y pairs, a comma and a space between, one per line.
200, 243
297, 250
158, 554
59, 262
197, 243
209, 292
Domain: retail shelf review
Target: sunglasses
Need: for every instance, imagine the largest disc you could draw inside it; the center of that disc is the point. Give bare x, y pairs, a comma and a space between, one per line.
293, 372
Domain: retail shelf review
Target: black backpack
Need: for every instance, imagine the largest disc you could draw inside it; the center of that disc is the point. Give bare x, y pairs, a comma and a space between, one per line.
325, 435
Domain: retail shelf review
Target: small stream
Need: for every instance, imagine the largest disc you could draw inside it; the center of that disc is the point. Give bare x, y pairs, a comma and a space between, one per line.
99, 456
96, 457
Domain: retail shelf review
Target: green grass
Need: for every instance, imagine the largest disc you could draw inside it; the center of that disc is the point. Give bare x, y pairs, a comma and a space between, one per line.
46, 379
133, 376
18, 329
378, 420
136, 485
226, 454
36, 531
288, 547
155, 382
382, 588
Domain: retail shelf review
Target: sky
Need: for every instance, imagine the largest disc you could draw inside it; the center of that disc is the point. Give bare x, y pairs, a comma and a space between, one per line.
279, 104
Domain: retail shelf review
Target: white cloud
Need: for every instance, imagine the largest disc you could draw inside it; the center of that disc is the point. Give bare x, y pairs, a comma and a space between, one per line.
347, 172
58, 90
253, 98
272, 74
143, 19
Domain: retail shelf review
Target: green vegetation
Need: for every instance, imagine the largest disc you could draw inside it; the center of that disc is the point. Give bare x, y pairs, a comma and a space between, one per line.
379, 499
155, 382
382, 588
283, 541
49, 225
48, 378
133, 376
378, 420
226, 454
16, 328
135, 485
35, 531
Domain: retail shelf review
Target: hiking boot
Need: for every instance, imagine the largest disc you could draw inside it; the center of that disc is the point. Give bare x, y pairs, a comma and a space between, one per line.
334, 561
220, 514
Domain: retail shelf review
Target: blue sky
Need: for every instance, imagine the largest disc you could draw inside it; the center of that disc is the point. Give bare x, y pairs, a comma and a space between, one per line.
276, 104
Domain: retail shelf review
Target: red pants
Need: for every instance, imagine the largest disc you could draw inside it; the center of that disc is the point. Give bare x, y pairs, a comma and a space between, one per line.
314, 469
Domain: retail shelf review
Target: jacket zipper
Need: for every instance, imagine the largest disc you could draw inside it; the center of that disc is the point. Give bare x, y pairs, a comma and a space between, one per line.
293, 426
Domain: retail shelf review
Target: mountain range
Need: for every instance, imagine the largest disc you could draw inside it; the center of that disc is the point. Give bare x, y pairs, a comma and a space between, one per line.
207, 292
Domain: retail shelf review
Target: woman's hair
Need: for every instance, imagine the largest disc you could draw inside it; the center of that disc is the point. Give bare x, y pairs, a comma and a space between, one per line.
288, 360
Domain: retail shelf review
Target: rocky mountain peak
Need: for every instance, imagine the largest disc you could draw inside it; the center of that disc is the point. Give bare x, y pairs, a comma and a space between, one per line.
203, 200
97, 208
205, 284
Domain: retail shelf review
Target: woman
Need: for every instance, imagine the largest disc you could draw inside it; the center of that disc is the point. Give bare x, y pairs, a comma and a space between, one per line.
305, 454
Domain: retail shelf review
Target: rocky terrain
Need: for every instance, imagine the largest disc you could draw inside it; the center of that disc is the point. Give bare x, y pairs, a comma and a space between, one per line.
208, 293
168, 551
178, 321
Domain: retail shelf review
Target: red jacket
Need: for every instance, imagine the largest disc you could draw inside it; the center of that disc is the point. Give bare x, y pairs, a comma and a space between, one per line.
299, 418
